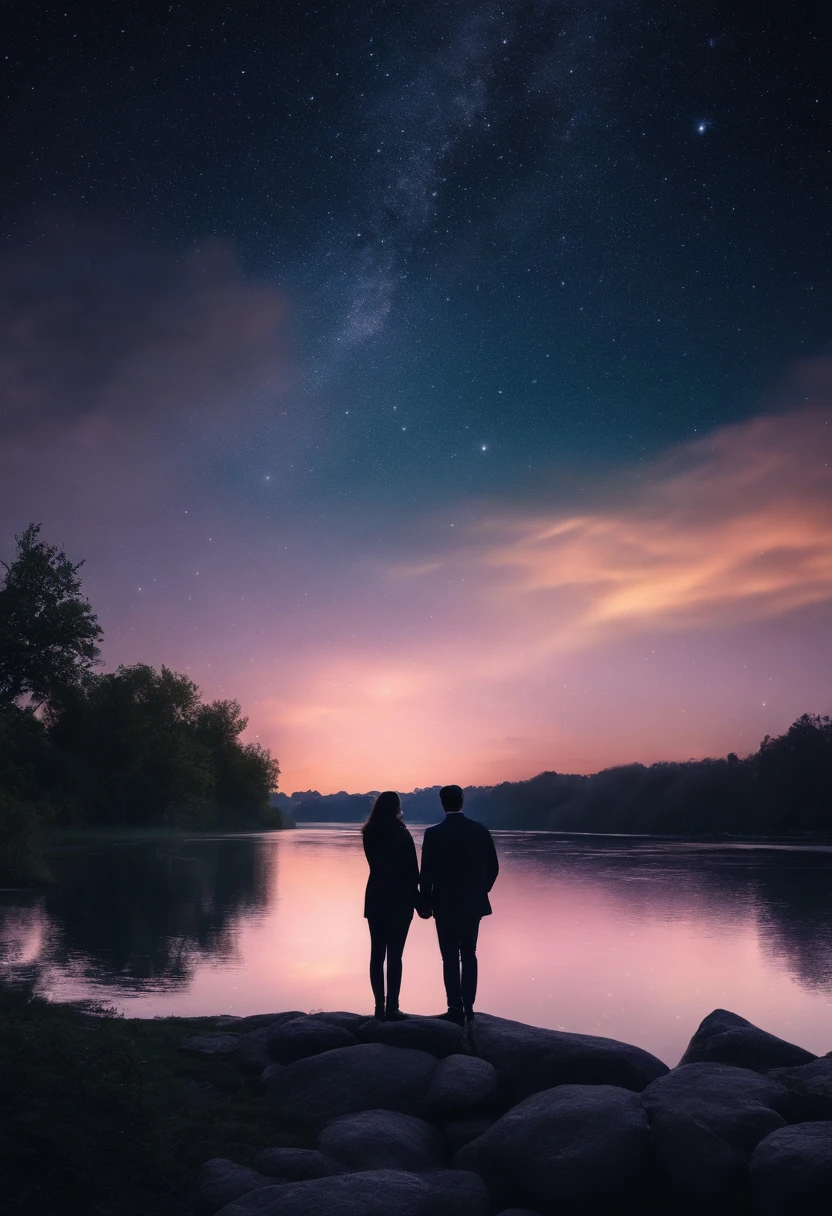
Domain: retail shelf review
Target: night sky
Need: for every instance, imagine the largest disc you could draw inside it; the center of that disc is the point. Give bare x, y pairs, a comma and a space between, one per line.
449, 382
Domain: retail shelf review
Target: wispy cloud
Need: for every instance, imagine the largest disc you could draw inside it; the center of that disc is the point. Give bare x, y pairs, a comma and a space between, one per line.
97, 333
734, 528
534, 621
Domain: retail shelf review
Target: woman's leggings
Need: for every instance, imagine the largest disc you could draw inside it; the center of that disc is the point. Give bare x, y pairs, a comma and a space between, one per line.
387, 939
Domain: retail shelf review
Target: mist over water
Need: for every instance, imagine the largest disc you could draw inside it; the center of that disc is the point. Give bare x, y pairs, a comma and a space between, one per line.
632, 938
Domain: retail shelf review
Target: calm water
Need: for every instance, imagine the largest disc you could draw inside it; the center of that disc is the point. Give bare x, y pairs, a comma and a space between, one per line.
633, 939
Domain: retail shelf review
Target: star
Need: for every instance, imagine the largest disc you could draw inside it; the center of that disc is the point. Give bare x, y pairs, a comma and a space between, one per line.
702, 127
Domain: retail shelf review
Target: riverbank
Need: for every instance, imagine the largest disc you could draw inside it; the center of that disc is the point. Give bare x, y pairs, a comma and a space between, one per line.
108, 1116
34, 872
61, 837
291, 1114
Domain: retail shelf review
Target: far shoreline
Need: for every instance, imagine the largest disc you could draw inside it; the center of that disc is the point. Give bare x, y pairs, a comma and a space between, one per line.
71, 835
62, 838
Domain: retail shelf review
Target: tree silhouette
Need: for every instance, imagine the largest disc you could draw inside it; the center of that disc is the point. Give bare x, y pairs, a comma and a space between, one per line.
48, 632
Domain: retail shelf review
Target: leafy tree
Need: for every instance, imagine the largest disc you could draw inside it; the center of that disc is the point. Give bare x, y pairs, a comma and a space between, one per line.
244, 774
139, 747
25, 807
797, 768
130, 750
48, 632
782, 789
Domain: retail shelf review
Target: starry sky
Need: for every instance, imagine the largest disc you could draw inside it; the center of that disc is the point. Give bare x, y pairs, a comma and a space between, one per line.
451, 383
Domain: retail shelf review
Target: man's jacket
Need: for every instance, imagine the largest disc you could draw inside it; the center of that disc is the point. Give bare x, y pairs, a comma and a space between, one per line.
459, 868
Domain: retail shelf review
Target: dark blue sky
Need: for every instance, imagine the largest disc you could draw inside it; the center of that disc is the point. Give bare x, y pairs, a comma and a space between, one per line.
571, 231
312, 283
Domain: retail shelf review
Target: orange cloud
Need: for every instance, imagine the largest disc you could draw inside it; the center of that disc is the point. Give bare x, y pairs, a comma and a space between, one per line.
534, 617
741, 531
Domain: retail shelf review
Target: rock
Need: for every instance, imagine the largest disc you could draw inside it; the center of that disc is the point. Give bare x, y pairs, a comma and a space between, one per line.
424, 1034
297, 1164
382, 1140
370, 1076
460, 1132
211, 1044
726, 1038
517, 1212
272, 1077
259, 1021
254, 1030
304, 1036
791, 1171
251, 1052
706, 1175
736, 1104
810, 1086
373, 1193
347, 1021
530, 1059
568, 1151
460, 1086
221, 1181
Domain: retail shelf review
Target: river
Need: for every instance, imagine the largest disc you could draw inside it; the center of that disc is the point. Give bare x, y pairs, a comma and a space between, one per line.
633, 938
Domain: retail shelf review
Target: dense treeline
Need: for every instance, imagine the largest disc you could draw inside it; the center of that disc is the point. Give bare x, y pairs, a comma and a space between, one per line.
305, 806
135, 747
783, 789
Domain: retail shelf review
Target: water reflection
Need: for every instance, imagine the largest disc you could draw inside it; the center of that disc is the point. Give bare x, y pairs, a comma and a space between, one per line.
140, 916
636, 939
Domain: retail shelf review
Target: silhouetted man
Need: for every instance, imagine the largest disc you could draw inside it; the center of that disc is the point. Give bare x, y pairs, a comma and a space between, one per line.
459, 868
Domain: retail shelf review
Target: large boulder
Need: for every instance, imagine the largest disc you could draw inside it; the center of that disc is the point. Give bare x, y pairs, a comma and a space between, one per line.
706, 1175
370, 1076
737, 1105
339, 1017
424, 1034
261, 1021
304, 1036
297, 1164
810, 1086
252, 1051
791, 1171
221, 1180
460, 1132
272, 1075
726, 1038
530, 1059
461, 1087
374, 1193
568, 1151
382, 1140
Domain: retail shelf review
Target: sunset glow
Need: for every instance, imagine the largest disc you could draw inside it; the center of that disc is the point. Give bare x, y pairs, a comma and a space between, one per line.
728, 542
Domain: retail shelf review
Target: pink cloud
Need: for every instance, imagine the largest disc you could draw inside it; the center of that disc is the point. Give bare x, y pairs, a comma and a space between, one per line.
722, 546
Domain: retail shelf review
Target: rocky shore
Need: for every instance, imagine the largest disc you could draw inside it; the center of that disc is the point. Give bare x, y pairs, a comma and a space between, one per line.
423, 1118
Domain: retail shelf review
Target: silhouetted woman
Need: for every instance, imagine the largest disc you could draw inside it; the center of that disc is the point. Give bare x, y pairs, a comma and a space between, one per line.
390, 897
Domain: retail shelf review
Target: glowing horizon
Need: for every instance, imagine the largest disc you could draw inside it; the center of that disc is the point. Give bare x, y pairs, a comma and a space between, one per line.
728, 541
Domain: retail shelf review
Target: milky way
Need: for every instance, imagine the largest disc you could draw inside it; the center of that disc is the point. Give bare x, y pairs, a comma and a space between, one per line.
428, 376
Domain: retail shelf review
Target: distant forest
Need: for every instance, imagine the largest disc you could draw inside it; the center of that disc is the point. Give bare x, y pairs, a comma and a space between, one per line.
308, 806
783, 789
135, 747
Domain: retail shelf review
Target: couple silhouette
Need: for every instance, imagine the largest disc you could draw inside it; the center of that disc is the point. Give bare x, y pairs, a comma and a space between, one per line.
459, 868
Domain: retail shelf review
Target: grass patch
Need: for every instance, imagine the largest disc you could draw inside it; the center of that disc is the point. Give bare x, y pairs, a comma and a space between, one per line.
106, 1116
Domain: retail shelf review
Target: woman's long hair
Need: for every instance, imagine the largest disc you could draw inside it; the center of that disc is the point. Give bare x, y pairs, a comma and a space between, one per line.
385, 812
